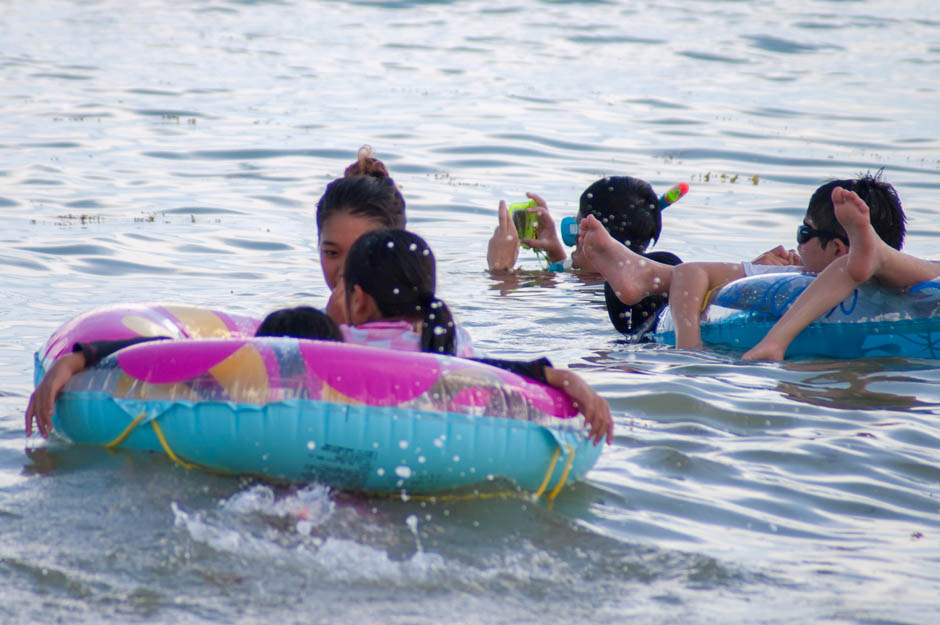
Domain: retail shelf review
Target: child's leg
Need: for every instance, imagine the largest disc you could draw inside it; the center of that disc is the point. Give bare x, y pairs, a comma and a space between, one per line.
691, 285
869, 256
632, 277
829, 288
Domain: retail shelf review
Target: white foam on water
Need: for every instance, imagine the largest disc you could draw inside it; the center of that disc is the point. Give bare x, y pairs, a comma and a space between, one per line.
311, 504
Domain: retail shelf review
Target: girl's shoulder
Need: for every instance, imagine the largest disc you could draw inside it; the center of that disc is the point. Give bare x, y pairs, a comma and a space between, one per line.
388, 334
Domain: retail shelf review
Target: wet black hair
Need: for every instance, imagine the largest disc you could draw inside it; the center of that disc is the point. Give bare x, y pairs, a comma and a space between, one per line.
628, 207
885, 212
637, 320
397, 269
367, 190
302, 322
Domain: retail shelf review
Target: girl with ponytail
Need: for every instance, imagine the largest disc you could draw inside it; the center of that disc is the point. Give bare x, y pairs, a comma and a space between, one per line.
389, 283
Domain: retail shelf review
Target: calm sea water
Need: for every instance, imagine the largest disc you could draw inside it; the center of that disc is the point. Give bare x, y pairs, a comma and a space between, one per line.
175, 151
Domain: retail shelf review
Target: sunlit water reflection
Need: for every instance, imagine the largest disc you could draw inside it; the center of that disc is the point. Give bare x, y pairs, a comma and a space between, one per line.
175, 151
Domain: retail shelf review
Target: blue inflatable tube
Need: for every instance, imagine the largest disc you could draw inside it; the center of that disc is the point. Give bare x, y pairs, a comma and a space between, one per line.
872, 322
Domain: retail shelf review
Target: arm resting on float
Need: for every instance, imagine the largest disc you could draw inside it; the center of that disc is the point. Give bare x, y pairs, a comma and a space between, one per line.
42, 402
96, 351
594, 407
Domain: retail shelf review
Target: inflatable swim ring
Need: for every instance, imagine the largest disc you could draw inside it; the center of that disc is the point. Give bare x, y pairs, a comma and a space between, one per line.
349, 416
873, 321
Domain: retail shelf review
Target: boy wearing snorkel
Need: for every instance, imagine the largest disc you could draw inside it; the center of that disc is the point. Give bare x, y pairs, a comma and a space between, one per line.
628, 209
821, 238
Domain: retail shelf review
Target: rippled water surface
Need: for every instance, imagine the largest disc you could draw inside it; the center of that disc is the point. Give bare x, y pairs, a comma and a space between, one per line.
174, 151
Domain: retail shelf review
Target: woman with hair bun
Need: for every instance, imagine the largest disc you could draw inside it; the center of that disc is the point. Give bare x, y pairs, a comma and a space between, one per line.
366, 198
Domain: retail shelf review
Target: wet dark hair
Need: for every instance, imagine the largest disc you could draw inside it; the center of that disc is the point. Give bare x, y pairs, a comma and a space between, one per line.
366, 190
302, 322
885, 212
397, 269
637, 320
628, 207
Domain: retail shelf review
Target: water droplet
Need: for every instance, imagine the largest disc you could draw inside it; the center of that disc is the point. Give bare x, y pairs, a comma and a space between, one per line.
380, 471
421, 459
456, 458
403, 471
311, 445
403, 444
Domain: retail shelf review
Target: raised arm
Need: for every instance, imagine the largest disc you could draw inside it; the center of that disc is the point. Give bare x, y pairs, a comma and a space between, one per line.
546, 238
503, 249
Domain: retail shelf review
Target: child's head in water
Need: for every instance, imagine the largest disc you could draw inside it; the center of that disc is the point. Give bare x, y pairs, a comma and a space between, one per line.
302, 322
627, 207
885, 212
822, 239
391, 274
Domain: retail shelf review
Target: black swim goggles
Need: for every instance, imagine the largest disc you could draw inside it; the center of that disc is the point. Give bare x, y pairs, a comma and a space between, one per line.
804, 233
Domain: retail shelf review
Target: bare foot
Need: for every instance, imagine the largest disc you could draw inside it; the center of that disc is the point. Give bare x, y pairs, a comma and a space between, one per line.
852, 212
765, 350
630, 275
